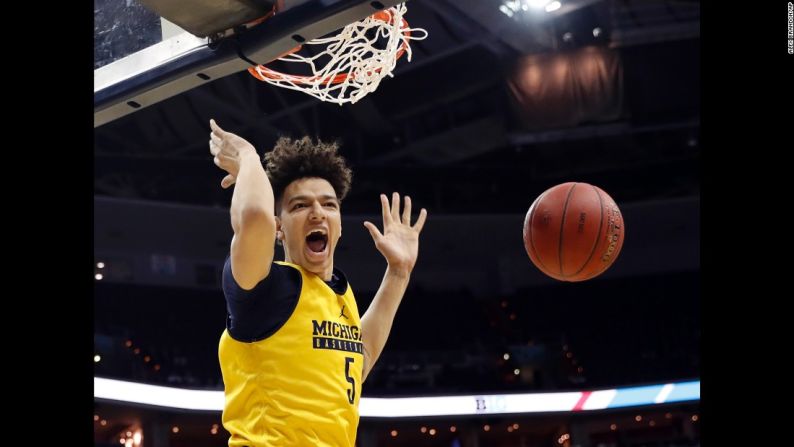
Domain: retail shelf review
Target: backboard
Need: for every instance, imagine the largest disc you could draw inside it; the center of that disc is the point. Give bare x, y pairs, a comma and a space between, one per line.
141, 58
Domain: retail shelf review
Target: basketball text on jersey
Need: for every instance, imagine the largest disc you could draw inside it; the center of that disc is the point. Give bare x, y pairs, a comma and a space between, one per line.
338, 336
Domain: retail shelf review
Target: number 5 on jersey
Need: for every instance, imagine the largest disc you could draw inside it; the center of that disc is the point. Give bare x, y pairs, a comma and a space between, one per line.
351, 393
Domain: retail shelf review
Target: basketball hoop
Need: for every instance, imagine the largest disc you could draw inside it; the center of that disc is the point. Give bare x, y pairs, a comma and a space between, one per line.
357, 63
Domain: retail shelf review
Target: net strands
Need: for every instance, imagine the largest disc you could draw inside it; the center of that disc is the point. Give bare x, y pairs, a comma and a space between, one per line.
358, 58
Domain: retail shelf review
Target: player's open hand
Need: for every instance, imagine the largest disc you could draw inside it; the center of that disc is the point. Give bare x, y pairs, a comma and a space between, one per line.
399, 242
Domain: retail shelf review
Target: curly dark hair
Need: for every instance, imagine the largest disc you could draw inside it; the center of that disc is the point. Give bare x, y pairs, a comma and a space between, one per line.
291, 160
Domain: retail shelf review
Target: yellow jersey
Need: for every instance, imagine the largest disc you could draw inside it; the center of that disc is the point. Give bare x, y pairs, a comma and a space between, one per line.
301, 385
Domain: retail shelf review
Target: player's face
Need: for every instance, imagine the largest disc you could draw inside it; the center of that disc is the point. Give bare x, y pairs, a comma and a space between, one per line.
310, 224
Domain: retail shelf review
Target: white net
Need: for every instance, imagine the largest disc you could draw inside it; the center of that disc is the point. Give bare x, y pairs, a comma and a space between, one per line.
361, 55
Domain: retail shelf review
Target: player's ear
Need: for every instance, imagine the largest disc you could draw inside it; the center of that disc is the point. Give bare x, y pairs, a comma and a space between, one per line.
279, 232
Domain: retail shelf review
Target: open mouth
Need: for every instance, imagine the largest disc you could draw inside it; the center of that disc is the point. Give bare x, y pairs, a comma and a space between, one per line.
317, 241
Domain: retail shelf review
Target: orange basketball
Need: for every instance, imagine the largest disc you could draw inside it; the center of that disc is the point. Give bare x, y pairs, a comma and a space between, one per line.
573, 231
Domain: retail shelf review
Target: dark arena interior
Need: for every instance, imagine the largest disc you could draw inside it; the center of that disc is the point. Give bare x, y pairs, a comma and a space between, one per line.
503, 100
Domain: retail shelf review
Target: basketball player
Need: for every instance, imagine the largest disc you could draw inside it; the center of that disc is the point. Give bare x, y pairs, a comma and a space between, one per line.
295, 352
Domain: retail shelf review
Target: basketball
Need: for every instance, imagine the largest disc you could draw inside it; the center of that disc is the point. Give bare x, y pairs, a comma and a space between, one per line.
573, 231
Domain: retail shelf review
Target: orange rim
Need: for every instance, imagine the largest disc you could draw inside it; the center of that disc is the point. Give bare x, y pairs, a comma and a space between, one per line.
277, 6
262, 73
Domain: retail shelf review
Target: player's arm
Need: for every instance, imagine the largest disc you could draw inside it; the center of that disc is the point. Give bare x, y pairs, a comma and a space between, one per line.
399, 244
252, 209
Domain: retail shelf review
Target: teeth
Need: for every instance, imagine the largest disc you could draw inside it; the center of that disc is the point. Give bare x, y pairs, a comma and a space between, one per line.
316, 231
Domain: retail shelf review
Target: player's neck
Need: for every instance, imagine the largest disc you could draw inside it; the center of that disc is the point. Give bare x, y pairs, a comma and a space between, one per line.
327, 273
324, 272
